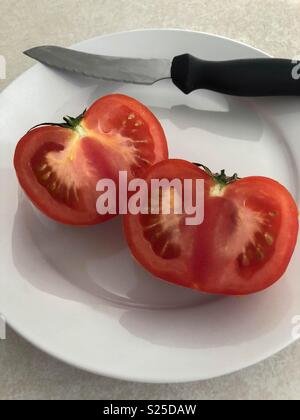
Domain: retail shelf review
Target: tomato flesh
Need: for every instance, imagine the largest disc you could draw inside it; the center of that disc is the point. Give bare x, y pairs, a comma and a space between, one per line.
59, 167
243, 246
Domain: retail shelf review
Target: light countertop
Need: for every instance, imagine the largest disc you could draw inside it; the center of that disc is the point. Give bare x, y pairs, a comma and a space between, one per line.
271, 25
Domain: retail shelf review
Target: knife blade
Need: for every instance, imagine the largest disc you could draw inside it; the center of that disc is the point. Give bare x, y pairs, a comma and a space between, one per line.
246, 77
128, 70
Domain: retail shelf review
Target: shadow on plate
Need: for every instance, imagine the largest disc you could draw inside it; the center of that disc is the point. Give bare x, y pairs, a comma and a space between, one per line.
90, 265
222, 115
223, 322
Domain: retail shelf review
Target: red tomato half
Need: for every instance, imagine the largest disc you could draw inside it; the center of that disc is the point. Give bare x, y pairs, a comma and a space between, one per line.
58, 166
243, 246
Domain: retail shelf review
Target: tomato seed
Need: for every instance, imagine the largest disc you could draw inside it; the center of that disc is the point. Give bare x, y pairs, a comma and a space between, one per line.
269, 239
46, 176
245, 260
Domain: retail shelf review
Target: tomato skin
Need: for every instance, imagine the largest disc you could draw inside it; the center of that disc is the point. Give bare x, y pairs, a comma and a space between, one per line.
243, 246
58, 167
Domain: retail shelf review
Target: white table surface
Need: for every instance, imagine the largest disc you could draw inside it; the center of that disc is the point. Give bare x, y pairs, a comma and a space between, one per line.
271, 25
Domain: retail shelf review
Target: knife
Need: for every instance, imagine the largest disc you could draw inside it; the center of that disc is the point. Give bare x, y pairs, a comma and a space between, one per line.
244, 77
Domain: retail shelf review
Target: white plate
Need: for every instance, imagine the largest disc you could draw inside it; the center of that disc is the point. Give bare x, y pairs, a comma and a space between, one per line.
77, 294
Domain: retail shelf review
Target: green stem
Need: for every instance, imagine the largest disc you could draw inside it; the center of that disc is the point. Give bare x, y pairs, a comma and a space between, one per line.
69, 122
220, 178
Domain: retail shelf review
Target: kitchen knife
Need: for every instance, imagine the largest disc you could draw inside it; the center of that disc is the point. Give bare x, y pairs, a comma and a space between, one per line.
245, 77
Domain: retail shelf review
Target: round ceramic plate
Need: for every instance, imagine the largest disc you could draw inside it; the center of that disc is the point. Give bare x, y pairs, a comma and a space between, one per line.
78, 294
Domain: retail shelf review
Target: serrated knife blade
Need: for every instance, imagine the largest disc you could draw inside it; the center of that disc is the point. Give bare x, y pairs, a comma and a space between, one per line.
128, 70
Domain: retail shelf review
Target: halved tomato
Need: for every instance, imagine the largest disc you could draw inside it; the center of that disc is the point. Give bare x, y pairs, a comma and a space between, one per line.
59, 165
244, 244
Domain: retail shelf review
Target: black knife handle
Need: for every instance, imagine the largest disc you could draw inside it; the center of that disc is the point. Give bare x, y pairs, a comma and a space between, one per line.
250, 77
